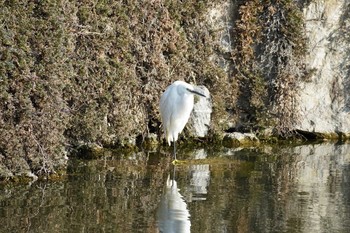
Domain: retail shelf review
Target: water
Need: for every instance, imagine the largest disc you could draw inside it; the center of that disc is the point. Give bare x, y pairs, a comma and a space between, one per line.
286, 189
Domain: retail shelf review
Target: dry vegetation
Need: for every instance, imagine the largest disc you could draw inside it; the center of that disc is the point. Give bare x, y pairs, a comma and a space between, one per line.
78, 72
92, 72
268, 63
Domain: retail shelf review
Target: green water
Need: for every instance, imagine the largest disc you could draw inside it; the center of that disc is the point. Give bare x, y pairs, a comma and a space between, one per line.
289, 189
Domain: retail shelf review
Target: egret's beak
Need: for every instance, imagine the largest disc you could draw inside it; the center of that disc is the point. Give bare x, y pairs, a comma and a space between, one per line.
196, 92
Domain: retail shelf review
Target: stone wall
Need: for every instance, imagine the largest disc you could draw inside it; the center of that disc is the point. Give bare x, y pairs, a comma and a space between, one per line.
324, 100
317, 91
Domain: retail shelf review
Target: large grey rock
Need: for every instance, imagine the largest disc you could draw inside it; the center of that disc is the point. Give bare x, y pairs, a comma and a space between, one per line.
324, 100
199, 122
220, 20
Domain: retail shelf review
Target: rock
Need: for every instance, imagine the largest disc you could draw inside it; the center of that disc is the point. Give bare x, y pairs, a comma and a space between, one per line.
220, 19
199, 122
238, 139
151, 142
324, 100
151, 139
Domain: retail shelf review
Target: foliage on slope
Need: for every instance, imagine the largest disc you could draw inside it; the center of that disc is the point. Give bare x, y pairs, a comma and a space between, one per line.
268, 63
92, 72
78, 72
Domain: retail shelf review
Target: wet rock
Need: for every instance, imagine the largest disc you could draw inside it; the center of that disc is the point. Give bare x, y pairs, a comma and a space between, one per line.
239, 139
151, 142
152, 139
91, 151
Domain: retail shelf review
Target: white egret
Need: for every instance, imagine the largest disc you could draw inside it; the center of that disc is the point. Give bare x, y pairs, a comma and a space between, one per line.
176, 105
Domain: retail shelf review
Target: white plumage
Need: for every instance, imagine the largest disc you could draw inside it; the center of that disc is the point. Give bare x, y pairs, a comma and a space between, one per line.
176, 104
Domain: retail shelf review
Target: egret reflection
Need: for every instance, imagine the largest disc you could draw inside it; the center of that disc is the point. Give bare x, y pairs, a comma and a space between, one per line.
173, 215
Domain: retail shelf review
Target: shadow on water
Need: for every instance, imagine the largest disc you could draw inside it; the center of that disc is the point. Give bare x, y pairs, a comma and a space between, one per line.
270, 189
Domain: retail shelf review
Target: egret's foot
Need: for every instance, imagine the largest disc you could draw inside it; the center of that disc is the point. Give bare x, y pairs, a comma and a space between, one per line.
177, 162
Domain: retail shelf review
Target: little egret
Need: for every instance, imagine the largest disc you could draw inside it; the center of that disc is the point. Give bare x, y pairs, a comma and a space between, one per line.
176, 104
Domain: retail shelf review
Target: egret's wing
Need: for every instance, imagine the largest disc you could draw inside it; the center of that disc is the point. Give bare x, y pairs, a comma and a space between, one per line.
167, 107
176, 105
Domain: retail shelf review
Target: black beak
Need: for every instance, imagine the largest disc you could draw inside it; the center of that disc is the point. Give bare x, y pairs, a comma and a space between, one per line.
195, 92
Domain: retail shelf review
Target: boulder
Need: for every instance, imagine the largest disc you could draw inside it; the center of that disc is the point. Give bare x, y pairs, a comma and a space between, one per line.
324, 100
199, 122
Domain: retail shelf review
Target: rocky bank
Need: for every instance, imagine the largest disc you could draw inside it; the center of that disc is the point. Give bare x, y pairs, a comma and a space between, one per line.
91, 73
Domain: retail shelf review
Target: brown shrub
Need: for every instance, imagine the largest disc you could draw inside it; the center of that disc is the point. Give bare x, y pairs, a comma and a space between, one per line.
92, 72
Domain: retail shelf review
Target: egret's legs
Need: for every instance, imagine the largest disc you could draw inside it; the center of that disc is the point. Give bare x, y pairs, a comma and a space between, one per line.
174, 150
175, 161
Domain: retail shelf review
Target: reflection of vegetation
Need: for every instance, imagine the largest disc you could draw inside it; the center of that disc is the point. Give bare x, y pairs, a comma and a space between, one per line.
248, 191
114, 195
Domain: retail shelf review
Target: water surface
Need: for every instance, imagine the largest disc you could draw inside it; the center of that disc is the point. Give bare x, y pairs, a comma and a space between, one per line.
282, 189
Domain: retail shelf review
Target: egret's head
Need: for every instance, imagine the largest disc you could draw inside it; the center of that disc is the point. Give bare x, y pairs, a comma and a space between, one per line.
193, 91
184, 87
